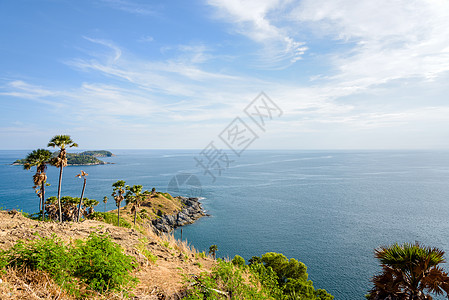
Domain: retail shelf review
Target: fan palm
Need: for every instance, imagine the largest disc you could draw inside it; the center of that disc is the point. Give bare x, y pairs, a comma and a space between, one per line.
212, 250
135, 197
117, 193
409, 271
62, 142
83, 175
105, 200
39, 159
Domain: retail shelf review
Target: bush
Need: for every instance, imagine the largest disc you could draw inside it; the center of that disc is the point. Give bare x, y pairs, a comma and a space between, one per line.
238, 261
102, 264
97, 262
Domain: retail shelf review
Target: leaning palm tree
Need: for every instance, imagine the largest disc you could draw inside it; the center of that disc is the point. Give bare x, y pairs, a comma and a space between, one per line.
39, 158
83, 175
62, 142
117, 193
409, 272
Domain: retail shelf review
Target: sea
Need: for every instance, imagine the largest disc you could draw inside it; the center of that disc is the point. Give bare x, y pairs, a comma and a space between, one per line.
327, 209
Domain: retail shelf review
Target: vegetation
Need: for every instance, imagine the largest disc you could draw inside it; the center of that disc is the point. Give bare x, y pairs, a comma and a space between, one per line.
409, 271
117, 193
97, 153
212, 250
39, 158
83, 158
105, 200
110, 218
274, 277
135, 196
96, 263
83, 175
62, 142
69, 209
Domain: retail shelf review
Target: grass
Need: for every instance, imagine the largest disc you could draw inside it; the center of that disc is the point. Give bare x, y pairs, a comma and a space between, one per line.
110, 218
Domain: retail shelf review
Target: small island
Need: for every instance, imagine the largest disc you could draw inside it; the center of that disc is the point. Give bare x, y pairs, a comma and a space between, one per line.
86, 158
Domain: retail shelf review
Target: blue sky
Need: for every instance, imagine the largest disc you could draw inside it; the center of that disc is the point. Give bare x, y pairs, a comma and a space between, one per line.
347, 74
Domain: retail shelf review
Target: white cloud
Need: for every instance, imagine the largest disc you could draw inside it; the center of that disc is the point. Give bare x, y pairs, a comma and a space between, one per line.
391, 39
252, 19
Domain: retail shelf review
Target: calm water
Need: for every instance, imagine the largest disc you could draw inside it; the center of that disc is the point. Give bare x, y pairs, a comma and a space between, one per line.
328, 209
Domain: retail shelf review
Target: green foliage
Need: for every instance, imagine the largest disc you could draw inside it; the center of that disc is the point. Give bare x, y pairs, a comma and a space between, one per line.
97, 153
96, 262
109, 218
228, 279
238, 261
409, 271
101, 264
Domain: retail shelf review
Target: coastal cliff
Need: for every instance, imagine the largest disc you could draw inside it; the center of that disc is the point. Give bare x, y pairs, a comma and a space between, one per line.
191, 211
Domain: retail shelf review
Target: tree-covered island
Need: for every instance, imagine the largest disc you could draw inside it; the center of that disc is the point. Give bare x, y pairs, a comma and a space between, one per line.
80, 159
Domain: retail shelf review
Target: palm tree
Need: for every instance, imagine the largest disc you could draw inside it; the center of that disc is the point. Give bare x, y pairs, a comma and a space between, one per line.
117, 193
62, 142
135, 196
39, 158
409, 271
105, 200
213, 249
82, 174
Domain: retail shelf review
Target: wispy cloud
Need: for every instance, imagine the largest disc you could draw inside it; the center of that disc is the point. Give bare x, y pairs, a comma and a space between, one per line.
130, 6
252, 19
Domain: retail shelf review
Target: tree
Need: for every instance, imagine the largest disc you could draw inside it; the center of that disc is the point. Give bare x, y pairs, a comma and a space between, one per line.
39, 159
82, 174
117, 193
62, 142
135, 196
105, 200
409, 271
212, 250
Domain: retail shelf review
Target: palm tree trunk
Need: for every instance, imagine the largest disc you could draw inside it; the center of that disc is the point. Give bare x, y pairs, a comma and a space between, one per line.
59, 193
43, 199
135, 215
81, 200
118, 216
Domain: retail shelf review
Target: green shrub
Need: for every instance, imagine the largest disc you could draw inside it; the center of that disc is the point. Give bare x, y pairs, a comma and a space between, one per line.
97, 262
101, 263
238, 261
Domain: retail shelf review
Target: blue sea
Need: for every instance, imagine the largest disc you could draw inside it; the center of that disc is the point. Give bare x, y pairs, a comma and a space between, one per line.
328, 209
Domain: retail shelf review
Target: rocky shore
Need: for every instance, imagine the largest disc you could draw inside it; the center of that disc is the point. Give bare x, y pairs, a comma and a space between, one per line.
191, 211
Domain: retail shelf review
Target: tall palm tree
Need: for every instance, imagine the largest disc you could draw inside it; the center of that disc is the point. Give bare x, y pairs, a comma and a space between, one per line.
118, 191
62, 142
135, 197
39, 158
83, 175
409, 272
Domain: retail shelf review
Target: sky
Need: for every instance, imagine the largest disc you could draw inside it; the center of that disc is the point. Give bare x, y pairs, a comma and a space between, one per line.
130, 74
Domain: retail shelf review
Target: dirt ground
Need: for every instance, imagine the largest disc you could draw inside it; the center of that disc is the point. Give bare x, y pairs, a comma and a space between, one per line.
162, 279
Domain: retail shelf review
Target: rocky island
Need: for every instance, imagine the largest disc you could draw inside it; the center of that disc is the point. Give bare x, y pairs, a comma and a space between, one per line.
86, 158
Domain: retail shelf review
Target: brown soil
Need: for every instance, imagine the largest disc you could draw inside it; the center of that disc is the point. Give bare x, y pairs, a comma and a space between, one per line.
162, 279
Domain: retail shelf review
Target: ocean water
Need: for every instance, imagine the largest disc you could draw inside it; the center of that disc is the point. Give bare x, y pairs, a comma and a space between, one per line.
328, 209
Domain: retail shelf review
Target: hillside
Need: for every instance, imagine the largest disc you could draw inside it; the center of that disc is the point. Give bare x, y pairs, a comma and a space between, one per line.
162, 279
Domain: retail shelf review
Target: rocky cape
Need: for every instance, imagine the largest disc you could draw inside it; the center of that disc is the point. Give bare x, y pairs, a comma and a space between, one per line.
191, 211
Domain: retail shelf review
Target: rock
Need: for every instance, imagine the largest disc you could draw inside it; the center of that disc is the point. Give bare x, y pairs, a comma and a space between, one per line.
191, 211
